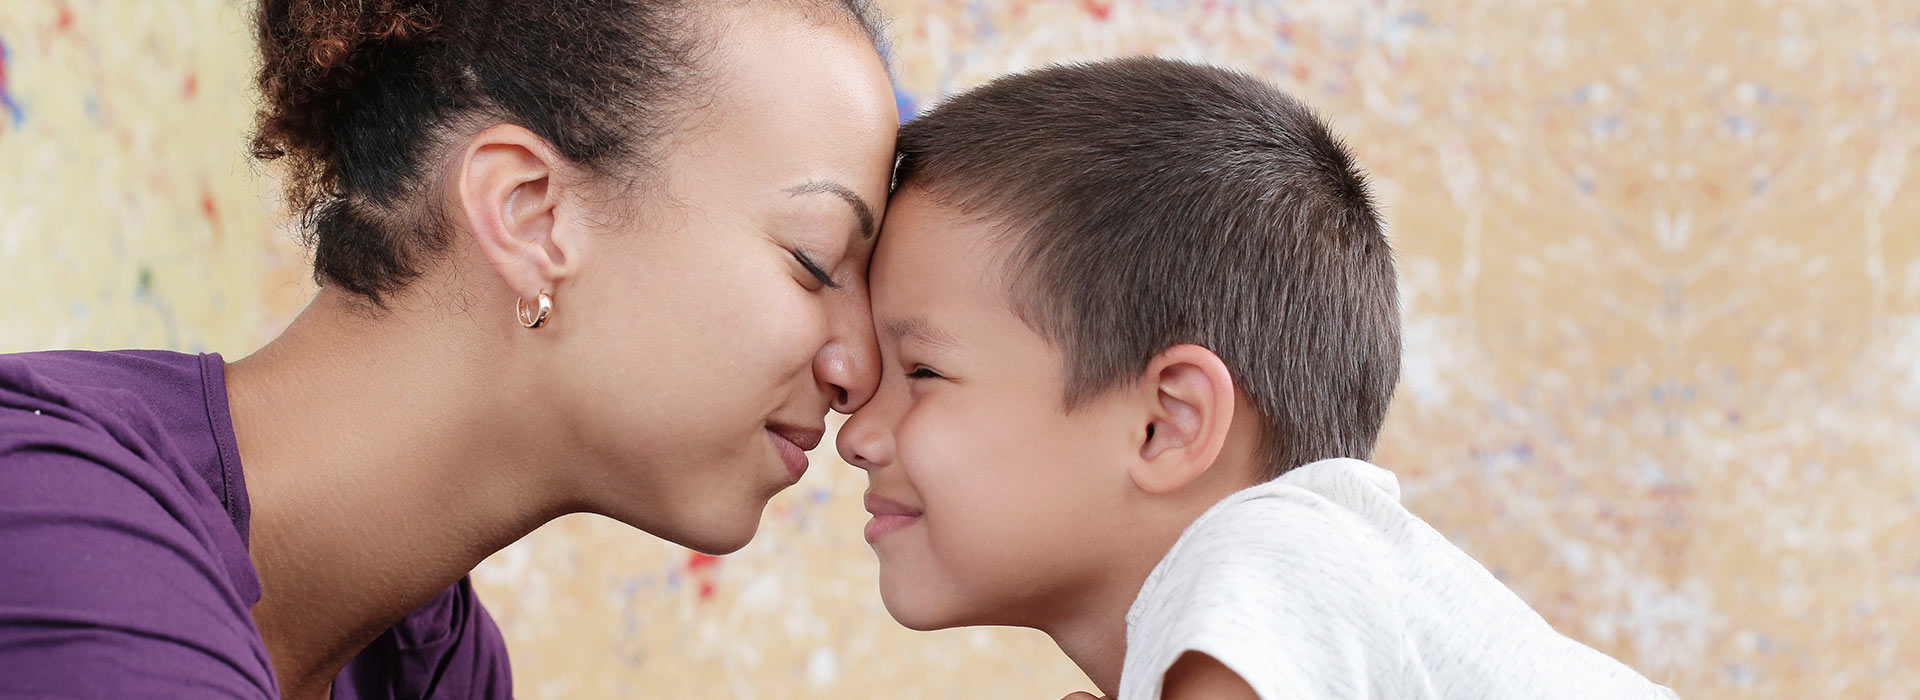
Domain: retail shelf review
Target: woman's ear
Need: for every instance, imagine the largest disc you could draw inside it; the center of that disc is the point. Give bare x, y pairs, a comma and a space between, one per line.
509, 198
1188, 400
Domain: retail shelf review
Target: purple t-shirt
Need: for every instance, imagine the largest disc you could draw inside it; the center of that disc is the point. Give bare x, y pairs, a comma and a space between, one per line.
123, 548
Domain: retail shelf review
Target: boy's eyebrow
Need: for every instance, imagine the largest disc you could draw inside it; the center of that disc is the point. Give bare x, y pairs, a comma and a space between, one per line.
861, 208
917, 329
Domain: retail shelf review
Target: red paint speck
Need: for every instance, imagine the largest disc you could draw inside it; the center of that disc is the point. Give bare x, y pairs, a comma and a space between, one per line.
64, 22
210, 212
701, 568
1100, 10
192, 87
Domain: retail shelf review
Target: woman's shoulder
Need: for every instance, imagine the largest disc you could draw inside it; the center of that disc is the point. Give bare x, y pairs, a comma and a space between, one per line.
449, 647
119, 577
142, 415
81, 370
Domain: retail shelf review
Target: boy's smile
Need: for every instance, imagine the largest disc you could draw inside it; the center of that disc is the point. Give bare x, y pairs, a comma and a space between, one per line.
888, 516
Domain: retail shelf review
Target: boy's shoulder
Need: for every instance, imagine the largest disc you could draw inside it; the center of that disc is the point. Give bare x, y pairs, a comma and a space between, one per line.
1326, 513
1320, 579
1282, 582
1304, 511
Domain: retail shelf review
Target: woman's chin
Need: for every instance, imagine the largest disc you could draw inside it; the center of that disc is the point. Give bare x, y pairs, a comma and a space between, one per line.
720, 534
707, 533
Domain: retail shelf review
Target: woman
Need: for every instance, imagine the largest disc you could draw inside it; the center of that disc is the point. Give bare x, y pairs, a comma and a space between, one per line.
588, 256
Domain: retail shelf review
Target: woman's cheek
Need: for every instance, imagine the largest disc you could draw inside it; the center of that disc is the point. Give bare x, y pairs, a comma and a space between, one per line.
797, 330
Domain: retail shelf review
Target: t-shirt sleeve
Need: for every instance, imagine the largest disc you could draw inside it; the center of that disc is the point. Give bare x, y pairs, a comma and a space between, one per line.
108, 588
1280, 591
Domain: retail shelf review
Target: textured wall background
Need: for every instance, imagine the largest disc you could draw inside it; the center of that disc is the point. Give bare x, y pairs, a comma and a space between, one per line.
1662, 276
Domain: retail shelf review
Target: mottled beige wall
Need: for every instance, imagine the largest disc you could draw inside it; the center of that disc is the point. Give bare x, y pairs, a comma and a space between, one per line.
1662, 272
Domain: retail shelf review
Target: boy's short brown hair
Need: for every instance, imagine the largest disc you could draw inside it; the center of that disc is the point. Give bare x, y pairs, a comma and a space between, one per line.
1152, 203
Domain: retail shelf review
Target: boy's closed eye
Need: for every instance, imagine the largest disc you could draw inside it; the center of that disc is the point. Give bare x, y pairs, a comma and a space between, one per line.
923, 372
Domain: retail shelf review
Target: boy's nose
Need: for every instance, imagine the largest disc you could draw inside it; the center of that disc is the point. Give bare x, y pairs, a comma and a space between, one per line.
864, 440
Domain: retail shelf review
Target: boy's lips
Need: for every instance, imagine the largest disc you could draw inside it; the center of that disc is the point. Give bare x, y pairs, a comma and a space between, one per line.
888, 516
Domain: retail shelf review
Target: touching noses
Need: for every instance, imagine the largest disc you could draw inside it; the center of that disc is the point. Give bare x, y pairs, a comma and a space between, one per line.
847, 368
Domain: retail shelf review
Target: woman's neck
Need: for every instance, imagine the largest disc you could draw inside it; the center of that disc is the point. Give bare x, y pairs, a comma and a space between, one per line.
382, 463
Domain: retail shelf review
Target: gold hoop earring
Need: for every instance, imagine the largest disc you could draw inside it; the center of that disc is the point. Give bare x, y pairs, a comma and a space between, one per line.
537, 318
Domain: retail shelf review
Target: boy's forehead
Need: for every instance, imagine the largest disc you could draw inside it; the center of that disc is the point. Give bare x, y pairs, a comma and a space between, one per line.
931, 247
931, 265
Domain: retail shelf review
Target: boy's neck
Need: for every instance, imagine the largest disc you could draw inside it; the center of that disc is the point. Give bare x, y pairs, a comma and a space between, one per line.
1095, 636
1092, 629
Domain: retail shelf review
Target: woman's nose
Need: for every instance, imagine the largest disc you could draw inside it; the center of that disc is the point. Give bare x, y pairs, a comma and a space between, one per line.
848, 366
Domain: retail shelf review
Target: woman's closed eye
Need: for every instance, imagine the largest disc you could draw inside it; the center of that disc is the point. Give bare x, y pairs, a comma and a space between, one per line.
813, 268
923, 372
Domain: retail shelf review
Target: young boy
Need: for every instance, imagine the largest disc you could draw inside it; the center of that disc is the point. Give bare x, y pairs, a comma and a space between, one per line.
1138, 326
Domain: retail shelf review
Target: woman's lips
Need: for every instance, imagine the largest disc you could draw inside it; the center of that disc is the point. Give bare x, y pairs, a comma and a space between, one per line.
888, 516
792, 444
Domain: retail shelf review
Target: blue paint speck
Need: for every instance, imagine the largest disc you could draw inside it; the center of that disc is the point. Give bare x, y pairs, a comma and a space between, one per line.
983, 20
1740, 126
905, 103
14, 111
1740, 674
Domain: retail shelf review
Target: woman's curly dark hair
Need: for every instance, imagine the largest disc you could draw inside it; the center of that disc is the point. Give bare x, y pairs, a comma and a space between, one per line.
356, 95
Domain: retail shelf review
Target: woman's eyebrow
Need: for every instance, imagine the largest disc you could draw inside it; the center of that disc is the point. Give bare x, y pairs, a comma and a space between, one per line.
861, 208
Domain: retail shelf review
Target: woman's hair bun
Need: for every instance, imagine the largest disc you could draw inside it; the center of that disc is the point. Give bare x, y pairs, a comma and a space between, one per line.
313, 55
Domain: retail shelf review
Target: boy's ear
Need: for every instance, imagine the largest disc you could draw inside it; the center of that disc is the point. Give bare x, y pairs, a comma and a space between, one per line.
509, 198
1190, 398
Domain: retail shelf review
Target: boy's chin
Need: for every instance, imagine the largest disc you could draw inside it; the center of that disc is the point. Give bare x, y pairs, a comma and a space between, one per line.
915, 612
920, 622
